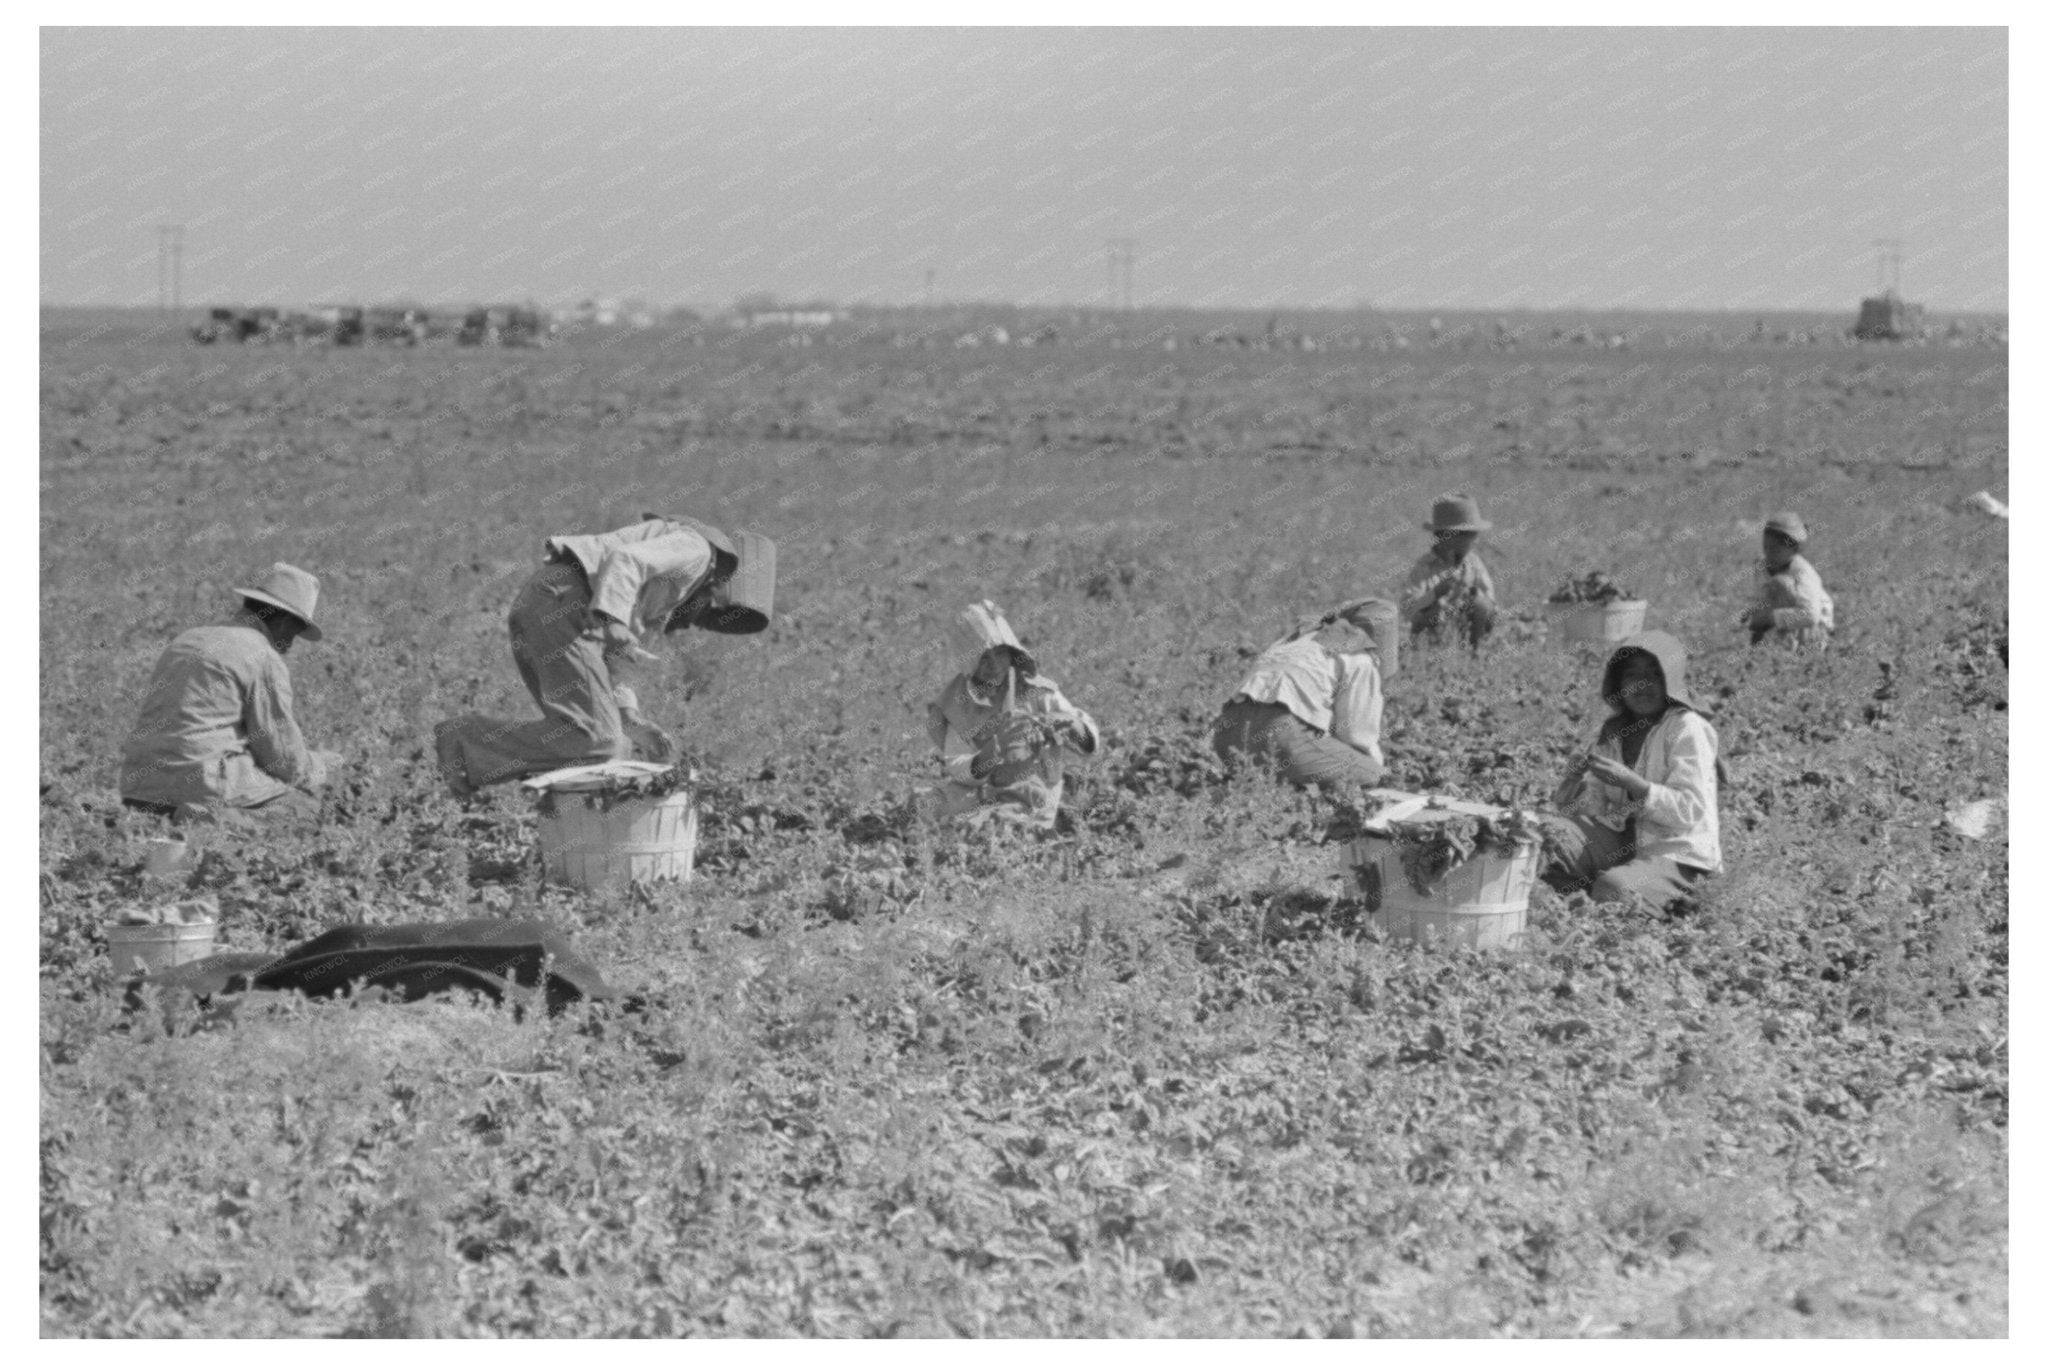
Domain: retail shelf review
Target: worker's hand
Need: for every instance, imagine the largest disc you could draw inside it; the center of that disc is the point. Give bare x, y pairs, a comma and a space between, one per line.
620, 642
1067, 729
1760, 619
1613, 772
616, 634
650, 741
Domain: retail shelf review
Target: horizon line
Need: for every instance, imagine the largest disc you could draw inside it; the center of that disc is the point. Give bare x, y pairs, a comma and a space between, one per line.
1094, 308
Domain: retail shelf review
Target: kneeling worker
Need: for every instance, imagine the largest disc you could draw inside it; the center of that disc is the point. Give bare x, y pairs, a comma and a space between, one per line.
1641, 810
1002, 728
1311, 705
217, 738
579, 625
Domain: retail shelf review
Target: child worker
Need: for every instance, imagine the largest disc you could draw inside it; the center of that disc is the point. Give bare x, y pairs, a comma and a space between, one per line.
1311, 705
1640, 812
1449, 593
1790, 600
1001, 727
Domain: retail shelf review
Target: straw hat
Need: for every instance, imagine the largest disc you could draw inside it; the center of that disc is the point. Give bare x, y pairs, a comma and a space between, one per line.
979, 628
289, 589
1457, 512
1789, 525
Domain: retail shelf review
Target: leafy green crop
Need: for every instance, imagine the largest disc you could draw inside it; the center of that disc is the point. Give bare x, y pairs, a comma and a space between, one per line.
1156, 1073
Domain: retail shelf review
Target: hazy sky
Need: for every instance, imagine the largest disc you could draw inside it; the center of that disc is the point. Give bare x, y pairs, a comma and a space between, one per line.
1408, 168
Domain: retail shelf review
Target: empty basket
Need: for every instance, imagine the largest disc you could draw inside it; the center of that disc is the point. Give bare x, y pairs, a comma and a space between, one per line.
157, 947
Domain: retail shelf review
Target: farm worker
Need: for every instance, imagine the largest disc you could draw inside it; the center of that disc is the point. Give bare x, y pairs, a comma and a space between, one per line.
1641, 810
580, 626
1001, 727
1789, 598
1449, 593
1311, 704
217, 740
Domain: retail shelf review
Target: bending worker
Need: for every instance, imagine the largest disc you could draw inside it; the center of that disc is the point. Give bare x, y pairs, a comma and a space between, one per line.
1311, 705
580, 626
217, 740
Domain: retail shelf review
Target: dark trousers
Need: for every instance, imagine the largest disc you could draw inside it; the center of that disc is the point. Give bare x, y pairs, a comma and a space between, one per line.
1267, 732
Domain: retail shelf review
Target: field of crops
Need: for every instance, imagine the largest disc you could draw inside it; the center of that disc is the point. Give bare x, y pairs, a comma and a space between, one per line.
1158, 1075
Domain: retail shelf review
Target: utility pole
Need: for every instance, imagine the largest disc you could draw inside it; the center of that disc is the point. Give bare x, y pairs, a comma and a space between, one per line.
1123, 262
1894, 264
170, 266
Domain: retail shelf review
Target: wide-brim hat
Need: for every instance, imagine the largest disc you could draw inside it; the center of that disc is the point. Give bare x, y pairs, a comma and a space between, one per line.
1790, 525
1456, 512
289, 588
1381, 620
749, 593
981, 627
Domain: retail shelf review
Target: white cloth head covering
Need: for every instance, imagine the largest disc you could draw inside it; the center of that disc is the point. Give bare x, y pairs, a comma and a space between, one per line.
979, 628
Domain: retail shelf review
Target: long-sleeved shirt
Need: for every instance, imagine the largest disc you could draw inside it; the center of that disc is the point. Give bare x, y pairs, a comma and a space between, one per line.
216, 727
1432, 579
1800, 607
638, 575
964, 722
1334, 694
1680, 816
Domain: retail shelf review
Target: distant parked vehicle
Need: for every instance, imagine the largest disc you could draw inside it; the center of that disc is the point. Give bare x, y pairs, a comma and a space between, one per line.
505, 326
237, 325
405, 326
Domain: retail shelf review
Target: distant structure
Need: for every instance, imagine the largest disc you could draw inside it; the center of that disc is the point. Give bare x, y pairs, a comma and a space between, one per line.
786, 317
607, 312
1888, 317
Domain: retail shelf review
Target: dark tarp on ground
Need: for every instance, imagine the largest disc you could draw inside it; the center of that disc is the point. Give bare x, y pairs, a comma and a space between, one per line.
499, 958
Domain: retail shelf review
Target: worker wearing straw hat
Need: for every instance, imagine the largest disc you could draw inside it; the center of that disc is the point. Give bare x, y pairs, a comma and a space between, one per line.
1311, 705
1790, 600
1001, 727
1449, 593
580, 626
217, 740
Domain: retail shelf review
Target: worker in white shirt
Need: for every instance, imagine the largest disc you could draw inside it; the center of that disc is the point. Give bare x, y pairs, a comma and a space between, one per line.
1311, 705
